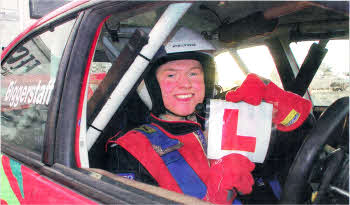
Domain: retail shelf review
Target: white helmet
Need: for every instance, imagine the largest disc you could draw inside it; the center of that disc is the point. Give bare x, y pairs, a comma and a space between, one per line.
185, 44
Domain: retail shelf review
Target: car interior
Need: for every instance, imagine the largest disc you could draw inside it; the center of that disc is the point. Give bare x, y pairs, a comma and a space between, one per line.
312, 159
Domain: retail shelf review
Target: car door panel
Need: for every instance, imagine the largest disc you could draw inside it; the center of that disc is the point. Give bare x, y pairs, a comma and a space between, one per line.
29, 187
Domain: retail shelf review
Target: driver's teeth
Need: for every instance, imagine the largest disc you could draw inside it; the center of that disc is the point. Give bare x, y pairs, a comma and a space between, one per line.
184, 96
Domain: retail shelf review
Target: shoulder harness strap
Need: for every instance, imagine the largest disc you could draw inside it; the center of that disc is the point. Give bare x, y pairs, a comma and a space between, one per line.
187, 179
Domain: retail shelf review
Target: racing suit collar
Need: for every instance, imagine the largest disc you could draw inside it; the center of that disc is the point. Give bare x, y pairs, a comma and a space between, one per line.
177, 127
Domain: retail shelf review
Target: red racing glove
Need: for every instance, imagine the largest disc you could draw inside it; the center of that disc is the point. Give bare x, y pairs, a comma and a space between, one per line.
231, 171
251, 91
290, 110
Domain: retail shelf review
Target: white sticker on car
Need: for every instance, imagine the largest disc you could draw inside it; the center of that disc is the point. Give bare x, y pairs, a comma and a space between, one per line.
40, 93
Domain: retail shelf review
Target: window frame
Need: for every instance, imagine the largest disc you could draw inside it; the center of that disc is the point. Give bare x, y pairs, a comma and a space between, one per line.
33, 33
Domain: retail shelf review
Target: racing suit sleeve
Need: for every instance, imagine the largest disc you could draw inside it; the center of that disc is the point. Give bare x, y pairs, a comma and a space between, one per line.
122, 163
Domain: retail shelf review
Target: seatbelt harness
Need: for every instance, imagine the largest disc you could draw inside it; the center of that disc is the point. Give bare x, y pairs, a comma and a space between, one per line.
187, 179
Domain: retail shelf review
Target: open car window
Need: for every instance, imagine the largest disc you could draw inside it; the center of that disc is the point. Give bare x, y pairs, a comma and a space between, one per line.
108, 71
331, 80
114, 36
233, 65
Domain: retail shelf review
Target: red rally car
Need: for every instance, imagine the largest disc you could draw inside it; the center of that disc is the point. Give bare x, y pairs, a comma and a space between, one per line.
70, 81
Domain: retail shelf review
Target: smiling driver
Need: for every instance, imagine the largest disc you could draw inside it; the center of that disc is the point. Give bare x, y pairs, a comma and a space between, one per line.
182, 87
170, 150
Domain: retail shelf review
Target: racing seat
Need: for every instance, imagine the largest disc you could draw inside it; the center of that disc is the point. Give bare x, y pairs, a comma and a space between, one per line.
132, 114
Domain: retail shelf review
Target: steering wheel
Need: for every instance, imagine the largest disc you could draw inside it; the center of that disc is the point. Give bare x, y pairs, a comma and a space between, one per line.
295, 184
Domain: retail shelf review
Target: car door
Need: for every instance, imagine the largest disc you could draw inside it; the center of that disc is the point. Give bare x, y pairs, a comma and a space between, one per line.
28, 76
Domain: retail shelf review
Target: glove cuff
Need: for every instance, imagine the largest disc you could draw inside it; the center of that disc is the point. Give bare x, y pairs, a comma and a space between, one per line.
292, 109
295, 117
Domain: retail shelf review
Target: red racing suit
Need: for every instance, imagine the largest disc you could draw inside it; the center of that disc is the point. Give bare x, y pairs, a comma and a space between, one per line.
186, 138
172, 155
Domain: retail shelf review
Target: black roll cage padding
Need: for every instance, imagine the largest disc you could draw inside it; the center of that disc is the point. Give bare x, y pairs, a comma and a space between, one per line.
282, 62
295, 185
309, 67
115, 74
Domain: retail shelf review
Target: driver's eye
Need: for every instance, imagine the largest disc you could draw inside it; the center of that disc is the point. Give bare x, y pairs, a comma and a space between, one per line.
170, 74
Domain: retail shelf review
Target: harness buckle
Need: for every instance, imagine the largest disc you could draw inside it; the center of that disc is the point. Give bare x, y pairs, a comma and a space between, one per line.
162, 152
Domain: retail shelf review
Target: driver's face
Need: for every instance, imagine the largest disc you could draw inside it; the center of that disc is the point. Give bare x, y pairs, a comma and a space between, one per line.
182, 85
